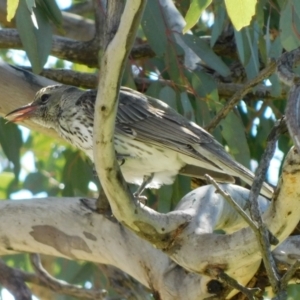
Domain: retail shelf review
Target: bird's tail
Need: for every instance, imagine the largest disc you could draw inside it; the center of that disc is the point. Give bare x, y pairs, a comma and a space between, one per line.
230, 166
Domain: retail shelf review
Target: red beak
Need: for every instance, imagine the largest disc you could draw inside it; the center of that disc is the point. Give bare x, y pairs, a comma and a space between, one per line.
21, 113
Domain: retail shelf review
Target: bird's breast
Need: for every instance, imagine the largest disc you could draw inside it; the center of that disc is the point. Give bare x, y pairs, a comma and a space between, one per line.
139, 159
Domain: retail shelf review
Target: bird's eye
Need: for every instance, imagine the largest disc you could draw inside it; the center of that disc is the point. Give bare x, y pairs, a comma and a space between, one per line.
44, 98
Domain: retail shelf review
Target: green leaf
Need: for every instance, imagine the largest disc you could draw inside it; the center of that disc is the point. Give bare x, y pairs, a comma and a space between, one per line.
174, 65
240, 12
205, 85
233, 132
154, 89
293, 291
296, 5
12, 6
252, 67
52, 11
168, 95
289, 27
242, 44
5, 179
193, 14
275, 48
181, 187
11, 142
35, 182
220, 15
164, 198
37, 42
76, 174
206, 54
187, 107
202, 112
30, 5
276, 87
154, 27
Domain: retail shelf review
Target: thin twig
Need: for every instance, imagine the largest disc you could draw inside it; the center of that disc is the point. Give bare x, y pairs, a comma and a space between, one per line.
270, 69
249, 292
232, 202
61, 286
289, 274
14, 282
263, 234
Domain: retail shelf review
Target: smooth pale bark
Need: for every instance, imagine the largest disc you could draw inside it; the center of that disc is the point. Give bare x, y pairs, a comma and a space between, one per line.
66, 228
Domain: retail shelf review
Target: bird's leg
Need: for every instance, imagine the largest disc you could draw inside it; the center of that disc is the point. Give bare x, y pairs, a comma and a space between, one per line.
121, 158
140, 190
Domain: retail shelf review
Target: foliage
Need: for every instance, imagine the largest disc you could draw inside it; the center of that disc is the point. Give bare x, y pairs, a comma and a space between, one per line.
231, 57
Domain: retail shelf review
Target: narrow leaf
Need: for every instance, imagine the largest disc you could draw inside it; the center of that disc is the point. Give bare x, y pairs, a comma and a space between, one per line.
11, 142
12, 6
52, 11
206, 54
240, 12
194, 13
37, 42
30, 5
154, 27
234, 134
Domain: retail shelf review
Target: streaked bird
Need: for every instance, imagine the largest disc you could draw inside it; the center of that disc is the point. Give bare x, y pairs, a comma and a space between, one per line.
152, 141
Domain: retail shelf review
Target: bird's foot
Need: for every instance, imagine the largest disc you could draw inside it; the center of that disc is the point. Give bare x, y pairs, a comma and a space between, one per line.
140, 198
146, 181
138, 194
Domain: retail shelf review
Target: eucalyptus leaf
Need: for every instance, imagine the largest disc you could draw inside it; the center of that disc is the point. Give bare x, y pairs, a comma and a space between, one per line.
154, 27
220, 15
12, 6
51, 10
240, 12
289, 30
168, 95
203, 50
234, 133
37, 42
11, 142
204, 85
193, 14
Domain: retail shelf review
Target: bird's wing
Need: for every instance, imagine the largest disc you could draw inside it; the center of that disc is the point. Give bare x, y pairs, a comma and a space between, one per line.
150, 120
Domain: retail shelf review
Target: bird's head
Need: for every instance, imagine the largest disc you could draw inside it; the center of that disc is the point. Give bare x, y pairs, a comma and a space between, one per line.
45, 108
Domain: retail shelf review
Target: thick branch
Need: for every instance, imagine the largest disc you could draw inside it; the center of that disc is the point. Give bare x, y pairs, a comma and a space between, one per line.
66, 228
74, 26
69, 49
90, 80
14, 282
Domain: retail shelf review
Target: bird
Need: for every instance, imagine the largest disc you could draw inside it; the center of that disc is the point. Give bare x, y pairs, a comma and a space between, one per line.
153, 142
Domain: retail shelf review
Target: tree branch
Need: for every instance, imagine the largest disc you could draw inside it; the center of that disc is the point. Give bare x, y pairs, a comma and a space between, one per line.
69, 49
240, 94
62, 287
63, 227
89, 81
14, 282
